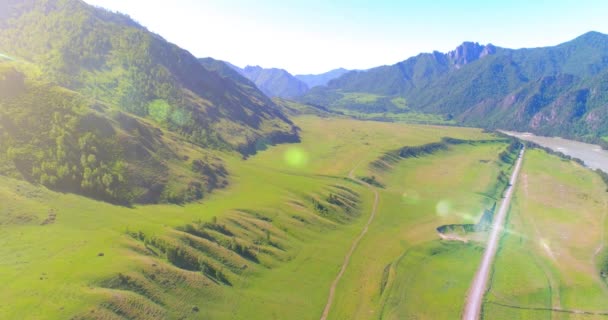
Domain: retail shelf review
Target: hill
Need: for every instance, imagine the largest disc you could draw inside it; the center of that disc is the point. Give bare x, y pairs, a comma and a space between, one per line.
556, 90
274, 82
111, 58
61, 139
313, 80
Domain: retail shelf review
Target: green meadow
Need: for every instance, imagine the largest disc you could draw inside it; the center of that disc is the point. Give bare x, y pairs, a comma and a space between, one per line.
549, 263
68, 255
402, 269
270, 244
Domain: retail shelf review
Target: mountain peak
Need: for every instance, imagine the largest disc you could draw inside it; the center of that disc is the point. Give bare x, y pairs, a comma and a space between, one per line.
252, 68
593, 41
468, 52
591, 36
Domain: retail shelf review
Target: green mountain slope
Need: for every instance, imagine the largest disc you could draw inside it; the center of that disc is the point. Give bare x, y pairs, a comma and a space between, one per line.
556, 90
65, 141
109, 57
406, 76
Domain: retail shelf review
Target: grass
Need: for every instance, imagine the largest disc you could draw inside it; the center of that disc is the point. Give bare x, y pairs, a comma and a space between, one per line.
367, 106
431, 280
548, 256
406, 222
359, 98
334, 146
400, 102
65, 253
57, 267
401, 117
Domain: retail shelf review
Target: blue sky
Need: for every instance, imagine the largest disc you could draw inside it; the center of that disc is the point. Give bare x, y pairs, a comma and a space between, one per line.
315, 36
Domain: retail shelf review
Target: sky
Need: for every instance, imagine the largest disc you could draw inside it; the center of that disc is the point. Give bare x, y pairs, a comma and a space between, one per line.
315, 36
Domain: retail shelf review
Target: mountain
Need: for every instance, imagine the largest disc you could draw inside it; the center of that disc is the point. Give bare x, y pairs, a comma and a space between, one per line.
93, 103
557, 90
273, 82
282, 84
411, 73
111, 58
313, 80
469, 52
68, 142
227, 70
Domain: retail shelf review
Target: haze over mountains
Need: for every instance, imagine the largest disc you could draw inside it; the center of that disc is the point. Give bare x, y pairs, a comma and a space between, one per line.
313, 80
274, 82
280, 83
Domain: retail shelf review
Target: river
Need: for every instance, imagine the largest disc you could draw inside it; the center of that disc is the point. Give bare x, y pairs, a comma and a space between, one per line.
593, 155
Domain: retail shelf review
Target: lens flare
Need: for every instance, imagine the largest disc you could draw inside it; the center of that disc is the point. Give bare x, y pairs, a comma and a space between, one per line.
443, 208
296, 157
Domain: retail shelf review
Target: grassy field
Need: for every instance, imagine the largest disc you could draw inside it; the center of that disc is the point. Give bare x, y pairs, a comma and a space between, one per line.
71, 256
430, 281
548, 258
402, 117
68, 255
401, 255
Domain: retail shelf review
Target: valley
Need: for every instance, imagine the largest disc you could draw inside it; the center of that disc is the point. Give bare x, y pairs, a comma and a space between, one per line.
139, 180
308, 265
399, 257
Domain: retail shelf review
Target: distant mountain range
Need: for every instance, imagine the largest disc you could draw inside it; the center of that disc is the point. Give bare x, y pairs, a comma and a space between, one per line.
560, 90
274, 82
280, 83
313, 80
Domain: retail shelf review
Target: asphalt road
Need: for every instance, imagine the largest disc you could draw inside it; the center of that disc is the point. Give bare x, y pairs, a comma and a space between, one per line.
472, 309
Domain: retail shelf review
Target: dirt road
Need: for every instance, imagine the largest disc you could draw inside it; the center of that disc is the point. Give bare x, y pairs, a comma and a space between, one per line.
332, 289
472, 309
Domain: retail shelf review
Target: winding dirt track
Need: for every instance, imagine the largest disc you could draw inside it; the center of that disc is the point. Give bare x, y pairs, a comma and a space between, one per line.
472, 309
353, 247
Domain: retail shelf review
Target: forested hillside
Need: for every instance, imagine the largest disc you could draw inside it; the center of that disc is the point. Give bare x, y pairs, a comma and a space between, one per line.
109, 57
65, 141
558, 90
93, 103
